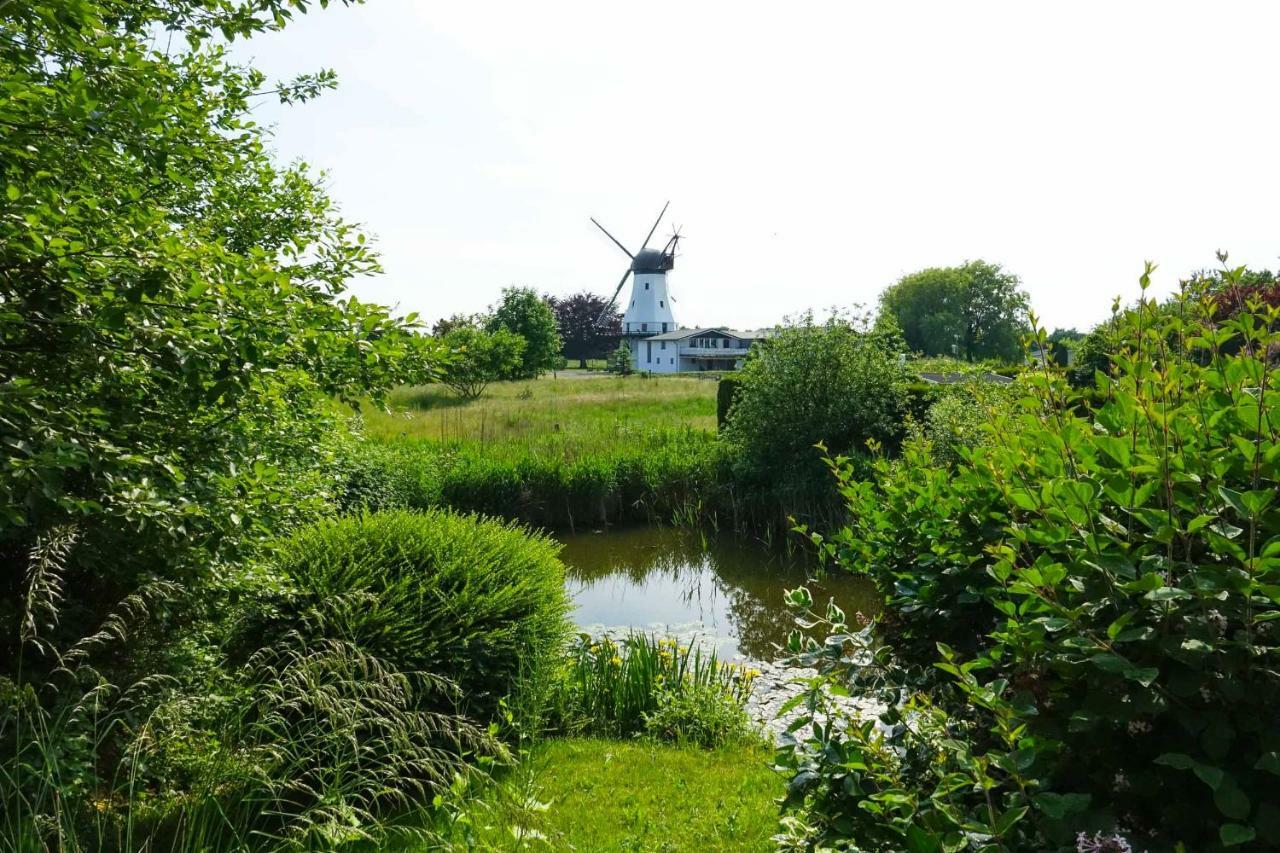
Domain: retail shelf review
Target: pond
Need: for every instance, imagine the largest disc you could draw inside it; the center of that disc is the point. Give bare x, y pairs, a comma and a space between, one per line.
725, 590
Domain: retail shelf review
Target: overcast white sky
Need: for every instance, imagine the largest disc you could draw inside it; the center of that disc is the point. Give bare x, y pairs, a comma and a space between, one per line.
812, 152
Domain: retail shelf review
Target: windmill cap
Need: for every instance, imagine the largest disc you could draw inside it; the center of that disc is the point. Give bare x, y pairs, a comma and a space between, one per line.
652, 260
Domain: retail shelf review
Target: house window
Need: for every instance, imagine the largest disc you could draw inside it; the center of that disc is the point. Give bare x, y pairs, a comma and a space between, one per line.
664, 344
662, 303
644, 327
646, 285
673, 361
648, 351
664, 327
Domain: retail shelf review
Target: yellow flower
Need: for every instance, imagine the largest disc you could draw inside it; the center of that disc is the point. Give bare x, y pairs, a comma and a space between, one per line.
617, 661
684, 650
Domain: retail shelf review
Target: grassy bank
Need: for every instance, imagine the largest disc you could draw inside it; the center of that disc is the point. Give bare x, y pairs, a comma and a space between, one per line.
564, 452
633, 795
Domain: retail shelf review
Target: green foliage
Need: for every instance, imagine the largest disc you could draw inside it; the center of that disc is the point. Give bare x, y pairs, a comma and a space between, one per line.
975, 311
523, 312
477, 358
833, 383
476, 601
646, 684
1093, 353
959, 417
171, 322
1113, 591
726, 393
621, 361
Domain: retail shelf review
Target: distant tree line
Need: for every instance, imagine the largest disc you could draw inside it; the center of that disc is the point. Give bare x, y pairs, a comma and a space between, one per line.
523, 336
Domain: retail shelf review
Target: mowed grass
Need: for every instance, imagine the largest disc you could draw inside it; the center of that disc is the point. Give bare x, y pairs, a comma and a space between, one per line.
569, 414
637, 795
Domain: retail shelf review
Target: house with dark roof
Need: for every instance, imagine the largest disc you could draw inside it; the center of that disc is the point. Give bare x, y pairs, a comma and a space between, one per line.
693, 350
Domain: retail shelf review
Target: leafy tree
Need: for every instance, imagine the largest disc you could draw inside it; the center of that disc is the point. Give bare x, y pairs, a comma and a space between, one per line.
834, 383
620, 360
445, 325
585, 332
171, 321
477, 358
522, 311
975, 311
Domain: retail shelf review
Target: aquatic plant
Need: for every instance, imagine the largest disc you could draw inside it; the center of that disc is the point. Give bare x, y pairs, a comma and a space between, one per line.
643, 683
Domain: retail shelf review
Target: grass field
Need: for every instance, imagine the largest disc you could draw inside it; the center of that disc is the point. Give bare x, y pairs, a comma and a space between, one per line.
575, 413
636, 795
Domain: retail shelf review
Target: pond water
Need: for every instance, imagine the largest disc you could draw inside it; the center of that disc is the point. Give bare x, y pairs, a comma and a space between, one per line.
725, 590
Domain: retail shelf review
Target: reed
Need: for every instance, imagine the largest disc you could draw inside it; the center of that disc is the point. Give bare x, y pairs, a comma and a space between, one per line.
615, 687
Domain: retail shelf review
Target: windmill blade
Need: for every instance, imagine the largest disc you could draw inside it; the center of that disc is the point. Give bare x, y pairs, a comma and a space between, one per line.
613, 238
613, 298
655, 225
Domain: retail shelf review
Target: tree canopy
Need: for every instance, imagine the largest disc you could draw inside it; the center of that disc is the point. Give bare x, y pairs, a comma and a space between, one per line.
589, 325
171, 318
833, 382
477, 358
522, 311
974, 311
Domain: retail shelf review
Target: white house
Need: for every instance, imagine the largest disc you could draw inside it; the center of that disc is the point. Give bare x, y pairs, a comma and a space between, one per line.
689, 350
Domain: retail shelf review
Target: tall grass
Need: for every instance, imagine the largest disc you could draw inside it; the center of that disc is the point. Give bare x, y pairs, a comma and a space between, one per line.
566, 416
325, 736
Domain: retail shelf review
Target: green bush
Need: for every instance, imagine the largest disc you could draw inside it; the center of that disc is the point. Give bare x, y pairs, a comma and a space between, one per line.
645, 684
1117, 591
832, 383
726, 393
476, 601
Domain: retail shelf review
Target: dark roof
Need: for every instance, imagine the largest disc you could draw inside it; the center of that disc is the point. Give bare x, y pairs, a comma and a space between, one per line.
681, 334
652, 260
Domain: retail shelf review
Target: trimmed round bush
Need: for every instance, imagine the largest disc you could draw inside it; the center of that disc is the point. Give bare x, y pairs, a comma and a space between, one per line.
475, 600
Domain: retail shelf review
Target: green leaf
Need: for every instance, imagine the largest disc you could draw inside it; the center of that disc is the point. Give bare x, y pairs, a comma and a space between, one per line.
922, 841
1232, 834
1231, 801
1167, 593
1059, 806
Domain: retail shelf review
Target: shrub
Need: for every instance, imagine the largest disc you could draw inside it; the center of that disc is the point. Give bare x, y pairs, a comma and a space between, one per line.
726, 393
703, 715
646, 684
833, 383
620, 361
1124, 647
476, 601
477, 358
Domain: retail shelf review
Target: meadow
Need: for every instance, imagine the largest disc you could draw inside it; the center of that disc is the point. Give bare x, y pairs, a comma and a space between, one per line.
572, 412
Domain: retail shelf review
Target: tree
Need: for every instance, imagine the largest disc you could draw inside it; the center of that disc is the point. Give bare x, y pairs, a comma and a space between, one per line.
620, 360
528, 315
171, 320
588, 325
477, 358
975, 311
835, 382
445, 325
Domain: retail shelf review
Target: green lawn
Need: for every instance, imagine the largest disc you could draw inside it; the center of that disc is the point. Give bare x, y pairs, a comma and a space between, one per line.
569, 413
637, 795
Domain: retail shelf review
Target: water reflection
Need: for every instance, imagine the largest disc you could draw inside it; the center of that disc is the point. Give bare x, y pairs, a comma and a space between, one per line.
724, 588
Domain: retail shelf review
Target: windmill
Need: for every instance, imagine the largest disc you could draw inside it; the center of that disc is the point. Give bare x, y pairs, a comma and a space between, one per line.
648, 312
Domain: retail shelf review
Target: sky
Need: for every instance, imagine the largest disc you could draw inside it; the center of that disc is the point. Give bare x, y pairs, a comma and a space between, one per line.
812, 152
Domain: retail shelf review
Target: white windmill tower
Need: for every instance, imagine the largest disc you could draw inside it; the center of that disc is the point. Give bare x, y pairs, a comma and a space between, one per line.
648, 312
